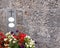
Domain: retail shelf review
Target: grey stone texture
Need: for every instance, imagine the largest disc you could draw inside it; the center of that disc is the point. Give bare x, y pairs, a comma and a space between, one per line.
38, 18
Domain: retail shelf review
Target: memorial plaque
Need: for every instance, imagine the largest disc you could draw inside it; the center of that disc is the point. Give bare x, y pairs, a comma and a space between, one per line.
11, 20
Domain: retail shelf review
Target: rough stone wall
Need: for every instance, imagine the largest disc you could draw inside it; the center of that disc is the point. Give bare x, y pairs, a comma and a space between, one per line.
38, 18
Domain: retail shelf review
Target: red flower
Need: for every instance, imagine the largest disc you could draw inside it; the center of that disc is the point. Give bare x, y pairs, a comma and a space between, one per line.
2, 36
15, 36
21, 37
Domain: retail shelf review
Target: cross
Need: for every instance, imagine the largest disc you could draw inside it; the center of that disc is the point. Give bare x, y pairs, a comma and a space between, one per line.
11, 12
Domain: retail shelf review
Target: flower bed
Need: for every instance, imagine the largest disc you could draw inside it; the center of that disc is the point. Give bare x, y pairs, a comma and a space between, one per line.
19, 40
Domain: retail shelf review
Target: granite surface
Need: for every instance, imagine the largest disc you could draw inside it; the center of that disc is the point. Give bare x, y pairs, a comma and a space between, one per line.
38, 18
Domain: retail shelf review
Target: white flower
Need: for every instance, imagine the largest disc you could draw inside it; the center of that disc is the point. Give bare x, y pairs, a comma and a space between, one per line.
33, 46
30, 45
32, 41
27, 45
10, 40
6, 44
9, 37
14, 41
8, 33
5, 39
8, 47
28, 37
